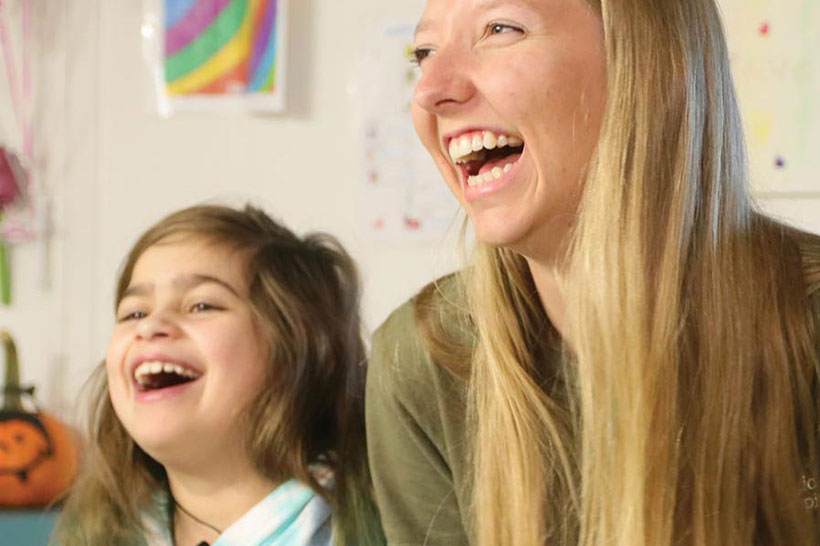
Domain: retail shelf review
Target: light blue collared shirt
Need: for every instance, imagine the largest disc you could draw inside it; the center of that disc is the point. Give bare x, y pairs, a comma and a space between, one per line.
291, 515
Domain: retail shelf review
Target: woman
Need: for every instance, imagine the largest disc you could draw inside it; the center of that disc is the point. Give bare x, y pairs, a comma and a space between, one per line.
632, 359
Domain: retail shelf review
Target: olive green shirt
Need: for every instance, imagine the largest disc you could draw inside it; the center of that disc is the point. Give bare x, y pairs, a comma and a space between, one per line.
416, 437
417, 442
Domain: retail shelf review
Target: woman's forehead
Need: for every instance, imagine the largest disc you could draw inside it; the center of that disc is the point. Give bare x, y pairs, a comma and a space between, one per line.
437, 12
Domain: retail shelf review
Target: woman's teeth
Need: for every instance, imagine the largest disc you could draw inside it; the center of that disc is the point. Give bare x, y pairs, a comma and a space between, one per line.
473, 147
495, 174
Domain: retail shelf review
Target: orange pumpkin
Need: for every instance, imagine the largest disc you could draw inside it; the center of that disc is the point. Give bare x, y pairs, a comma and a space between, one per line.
38, 459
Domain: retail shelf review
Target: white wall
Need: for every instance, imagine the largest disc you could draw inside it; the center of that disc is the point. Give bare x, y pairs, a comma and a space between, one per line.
302, 166
113, 168
121, 168
53, 310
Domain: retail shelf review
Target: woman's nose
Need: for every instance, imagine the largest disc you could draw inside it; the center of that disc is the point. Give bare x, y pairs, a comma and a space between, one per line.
445, 84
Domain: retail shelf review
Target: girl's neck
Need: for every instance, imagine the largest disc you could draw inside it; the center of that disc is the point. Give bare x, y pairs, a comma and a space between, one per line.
215, 499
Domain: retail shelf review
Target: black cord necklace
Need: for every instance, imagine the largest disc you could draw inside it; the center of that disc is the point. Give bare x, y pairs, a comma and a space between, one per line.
196, 519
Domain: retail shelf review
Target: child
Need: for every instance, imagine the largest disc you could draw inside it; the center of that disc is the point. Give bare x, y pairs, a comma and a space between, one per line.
229, 410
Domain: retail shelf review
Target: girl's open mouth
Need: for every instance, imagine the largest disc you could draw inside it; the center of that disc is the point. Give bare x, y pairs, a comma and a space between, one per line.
484, 156
156, 375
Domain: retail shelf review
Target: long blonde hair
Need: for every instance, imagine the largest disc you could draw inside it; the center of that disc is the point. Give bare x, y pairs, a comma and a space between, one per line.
685, 412
304, 293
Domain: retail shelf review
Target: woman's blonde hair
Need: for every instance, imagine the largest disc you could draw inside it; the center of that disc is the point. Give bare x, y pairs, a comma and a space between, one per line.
684, 411
304, 293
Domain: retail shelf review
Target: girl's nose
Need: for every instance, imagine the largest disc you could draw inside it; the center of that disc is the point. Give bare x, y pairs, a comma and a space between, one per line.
156, 325
446, 84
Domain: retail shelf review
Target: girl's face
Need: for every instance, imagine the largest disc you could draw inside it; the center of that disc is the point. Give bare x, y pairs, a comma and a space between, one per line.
509, 105
185, 357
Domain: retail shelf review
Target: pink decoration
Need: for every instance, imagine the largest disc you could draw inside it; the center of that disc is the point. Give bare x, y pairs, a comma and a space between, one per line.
12, 177
413, 224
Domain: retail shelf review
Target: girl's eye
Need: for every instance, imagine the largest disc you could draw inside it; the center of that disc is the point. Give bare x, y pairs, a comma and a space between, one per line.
421, 53
202, 306
133, 315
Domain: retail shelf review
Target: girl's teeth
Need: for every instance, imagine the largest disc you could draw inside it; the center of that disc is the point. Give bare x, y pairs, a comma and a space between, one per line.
497, 172
514, 141
507, 167
489, 141
150, 368
502, 141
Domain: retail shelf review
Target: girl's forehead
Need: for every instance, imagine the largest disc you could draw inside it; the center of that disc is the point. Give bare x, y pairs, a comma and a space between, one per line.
195, 239
192, 245
172, 259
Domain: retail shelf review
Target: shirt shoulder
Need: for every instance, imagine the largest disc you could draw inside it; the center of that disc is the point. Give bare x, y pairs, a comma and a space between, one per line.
401, 360
417, 439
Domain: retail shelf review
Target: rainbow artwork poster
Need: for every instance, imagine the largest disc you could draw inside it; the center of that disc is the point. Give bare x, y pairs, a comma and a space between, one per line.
217, 51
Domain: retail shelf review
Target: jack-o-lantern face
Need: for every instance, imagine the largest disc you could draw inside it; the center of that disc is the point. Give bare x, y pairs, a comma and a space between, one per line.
24, 444
38, 459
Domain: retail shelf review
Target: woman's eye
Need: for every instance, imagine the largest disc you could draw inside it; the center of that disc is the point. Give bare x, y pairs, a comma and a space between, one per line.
421, 53
501, 28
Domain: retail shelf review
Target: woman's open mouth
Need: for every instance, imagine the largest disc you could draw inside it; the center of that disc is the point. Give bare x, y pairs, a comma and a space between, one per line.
484, 156
156, 375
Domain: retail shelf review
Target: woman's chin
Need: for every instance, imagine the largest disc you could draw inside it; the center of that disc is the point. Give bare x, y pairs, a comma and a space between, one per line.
543, 241
498, 231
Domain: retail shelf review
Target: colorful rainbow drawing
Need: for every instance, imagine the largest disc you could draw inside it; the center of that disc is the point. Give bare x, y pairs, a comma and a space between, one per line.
221, 47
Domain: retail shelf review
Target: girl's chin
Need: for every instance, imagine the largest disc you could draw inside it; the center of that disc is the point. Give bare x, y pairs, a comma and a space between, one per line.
173, 449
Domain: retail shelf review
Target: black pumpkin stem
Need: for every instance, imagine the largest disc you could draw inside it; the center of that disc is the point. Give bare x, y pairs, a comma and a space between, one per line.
12, 399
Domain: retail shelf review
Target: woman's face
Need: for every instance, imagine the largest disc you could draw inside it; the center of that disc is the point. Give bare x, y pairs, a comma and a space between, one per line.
509, 105
185, 356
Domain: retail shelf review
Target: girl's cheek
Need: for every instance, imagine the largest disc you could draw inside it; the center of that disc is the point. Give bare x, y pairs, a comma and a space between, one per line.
114, 360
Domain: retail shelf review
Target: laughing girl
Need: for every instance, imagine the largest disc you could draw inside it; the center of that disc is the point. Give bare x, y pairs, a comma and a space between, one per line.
229, 409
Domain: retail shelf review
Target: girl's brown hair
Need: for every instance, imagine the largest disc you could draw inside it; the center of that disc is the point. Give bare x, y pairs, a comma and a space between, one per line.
687, 409
304, 293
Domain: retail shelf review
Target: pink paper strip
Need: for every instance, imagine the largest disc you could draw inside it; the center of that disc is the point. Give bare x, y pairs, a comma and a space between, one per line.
8, 56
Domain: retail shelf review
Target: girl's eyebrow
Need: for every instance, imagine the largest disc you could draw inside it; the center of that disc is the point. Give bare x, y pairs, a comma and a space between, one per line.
195, 279
183, 282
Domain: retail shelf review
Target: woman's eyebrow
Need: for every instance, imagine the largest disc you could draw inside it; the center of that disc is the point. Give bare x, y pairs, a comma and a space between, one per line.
487, 4
423, 25
484, 5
